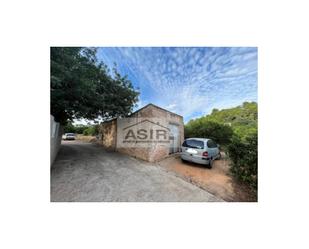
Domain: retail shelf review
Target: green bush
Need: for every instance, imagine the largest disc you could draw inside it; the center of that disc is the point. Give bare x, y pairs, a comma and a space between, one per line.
69, 128
91, 130
220, 133
243, 154
235, 129
87, 130
79, 129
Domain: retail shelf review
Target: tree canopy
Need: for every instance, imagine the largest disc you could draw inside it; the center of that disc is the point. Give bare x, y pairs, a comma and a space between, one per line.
83, 87
242, 120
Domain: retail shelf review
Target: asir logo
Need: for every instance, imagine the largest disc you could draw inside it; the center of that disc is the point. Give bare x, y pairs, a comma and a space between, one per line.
144, 132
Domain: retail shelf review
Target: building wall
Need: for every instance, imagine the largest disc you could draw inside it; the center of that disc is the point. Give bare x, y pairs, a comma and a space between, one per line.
108, 131
141, 153
170, 118
56, 131
157, 151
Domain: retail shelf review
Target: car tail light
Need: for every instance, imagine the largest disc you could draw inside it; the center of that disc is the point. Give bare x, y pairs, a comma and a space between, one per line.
205, 154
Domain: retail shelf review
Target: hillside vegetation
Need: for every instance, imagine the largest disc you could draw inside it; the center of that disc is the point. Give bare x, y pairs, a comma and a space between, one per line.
240, 120
235, 129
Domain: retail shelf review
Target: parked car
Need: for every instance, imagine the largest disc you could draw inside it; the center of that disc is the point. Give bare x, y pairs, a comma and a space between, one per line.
200, 150
68, 136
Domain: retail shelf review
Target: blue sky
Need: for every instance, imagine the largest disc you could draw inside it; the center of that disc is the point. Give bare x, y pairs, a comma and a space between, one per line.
190, 81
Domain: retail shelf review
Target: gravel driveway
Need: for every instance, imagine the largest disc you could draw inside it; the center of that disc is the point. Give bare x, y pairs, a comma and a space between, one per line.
86, 172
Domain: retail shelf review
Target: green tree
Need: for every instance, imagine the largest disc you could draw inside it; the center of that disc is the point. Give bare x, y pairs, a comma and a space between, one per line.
79, 129
69, 128
82, 87
220, 133
241, 119
92, 130
244, 156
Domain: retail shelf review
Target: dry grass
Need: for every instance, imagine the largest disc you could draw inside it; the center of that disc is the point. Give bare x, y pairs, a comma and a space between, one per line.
89, 139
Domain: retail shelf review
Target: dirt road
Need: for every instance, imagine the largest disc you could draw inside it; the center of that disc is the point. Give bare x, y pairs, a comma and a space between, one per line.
86, 172
217, 180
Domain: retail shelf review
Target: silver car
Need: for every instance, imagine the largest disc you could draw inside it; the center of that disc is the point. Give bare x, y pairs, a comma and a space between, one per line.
68, 136
200, 150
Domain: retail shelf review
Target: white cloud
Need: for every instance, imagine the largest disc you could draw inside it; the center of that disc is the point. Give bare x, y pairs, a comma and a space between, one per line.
193, 80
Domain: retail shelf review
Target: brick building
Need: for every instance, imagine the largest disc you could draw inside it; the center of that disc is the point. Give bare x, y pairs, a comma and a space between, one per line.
151, 133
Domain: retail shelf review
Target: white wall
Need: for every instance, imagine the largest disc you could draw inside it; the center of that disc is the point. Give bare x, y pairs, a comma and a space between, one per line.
55, 138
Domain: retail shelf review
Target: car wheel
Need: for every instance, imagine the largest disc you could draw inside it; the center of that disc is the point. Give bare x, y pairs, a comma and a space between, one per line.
183, 160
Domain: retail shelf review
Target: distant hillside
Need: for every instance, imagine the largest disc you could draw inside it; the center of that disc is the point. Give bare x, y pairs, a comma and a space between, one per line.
242, 119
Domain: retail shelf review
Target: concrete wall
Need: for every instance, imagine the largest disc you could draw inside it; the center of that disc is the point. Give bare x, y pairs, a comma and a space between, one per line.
56, 131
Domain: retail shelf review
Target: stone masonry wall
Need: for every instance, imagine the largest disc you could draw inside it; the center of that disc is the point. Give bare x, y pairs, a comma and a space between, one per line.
157, 151
108, 131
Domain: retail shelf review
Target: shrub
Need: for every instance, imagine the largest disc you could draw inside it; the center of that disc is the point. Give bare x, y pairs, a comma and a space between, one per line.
91, 130
235, 129
220, 133
79, 129
69, 128
88, 131
243, 154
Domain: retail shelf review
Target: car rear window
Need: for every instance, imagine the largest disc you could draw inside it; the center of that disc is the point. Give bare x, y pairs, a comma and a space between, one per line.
211, 144
70, 134
191, 143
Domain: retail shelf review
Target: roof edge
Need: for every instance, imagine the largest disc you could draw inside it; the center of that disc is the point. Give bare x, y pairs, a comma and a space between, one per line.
150, 104
144, 107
